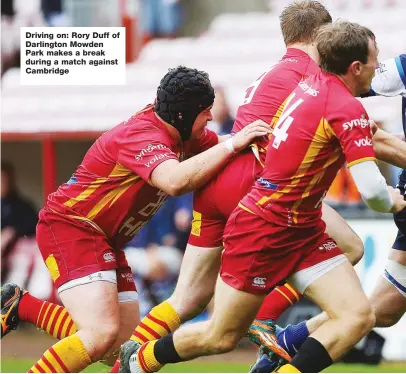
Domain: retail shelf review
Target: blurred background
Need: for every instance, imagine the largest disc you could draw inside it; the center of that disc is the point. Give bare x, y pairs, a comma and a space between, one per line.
46, 130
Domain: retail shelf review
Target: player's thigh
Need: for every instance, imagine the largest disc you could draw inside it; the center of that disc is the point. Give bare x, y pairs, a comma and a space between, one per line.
128, 307
338, 292
83, 266
196, 281
201, 261
94, 308
72, 249
234, 311
338, 229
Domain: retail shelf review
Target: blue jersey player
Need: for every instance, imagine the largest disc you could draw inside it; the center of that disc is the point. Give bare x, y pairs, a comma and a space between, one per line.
389, 296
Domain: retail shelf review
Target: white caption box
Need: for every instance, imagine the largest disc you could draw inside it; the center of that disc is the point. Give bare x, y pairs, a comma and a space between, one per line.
73, 56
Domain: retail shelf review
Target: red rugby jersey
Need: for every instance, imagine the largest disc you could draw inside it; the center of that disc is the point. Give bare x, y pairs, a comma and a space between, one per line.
110, 188
265, 96
321, 127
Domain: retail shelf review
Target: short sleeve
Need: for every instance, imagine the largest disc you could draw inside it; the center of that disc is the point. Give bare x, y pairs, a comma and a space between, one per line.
141, 151
207, 140
351, 126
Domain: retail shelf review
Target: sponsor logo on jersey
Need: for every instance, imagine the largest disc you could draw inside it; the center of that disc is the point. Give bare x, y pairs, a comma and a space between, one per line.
150, 148
259, 282
365, 142
108, 257
155, 159
362, 122
267, 184
328, 246
128, 277
308, 89
290, 59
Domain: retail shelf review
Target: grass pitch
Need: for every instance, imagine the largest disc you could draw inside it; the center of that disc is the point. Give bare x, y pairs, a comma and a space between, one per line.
21, 366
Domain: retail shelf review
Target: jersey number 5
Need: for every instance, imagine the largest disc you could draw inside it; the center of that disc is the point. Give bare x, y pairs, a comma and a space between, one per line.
250, 91
280, 132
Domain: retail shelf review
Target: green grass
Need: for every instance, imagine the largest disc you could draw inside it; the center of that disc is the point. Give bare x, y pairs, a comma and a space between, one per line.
21, 366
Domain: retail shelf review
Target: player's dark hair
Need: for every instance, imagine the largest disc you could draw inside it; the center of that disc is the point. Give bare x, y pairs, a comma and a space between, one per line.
301, 20
342, 43
182, 94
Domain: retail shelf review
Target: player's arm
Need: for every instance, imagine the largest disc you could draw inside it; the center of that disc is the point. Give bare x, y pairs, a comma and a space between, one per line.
351, 126
372, 186
223, 138
390, 148
177, 178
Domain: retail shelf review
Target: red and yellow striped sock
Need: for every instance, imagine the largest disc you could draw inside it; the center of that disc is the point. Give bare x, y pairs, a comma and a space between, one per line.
146, 359
288, 368
52, 318
67, 356
159, 322
276, 302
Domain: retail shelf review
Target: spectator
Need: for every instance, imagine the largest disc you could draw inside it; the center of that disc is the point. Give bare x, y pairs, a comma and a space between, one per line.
53, 13
155, 254
18, 217
222, 119
160, 18
155, 270
170, 226
14, 15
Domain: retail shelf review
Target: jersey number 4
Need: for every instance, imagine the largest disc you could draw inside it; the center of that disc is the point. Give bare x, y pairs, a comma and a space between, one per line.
280, 132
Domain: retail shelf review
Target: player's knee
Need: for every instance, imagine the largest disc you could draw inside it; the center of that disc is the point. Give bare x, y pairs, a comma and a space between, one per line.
223, 343
386, 318
361, 319
103, 339
355, 249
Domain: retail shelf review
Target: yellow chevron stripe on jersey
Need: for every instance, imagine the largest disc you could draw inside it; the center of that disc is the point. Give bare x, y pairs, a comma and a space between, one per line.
112, 196
319, 140
117, 172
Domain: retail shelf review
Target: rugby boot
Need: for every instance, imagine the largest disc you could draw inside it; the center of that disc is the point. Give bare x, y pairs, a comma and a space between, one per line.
128, 357
10, 299
263, 334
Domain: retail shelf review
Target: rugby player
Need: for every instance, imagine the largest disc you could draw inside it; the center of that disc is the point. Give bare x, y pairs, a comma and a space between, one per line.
214, 203
389, 304
123, 180
389, 296
277, 231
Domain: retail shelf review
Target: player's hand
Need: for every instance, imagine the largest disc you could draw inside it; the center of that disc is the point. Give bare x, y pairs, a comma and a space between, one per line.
399, 202
245, 136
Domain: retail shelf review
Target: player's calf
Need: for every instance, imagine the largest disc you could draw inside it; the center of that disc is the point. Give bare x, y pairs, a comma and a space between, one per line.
196, 282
